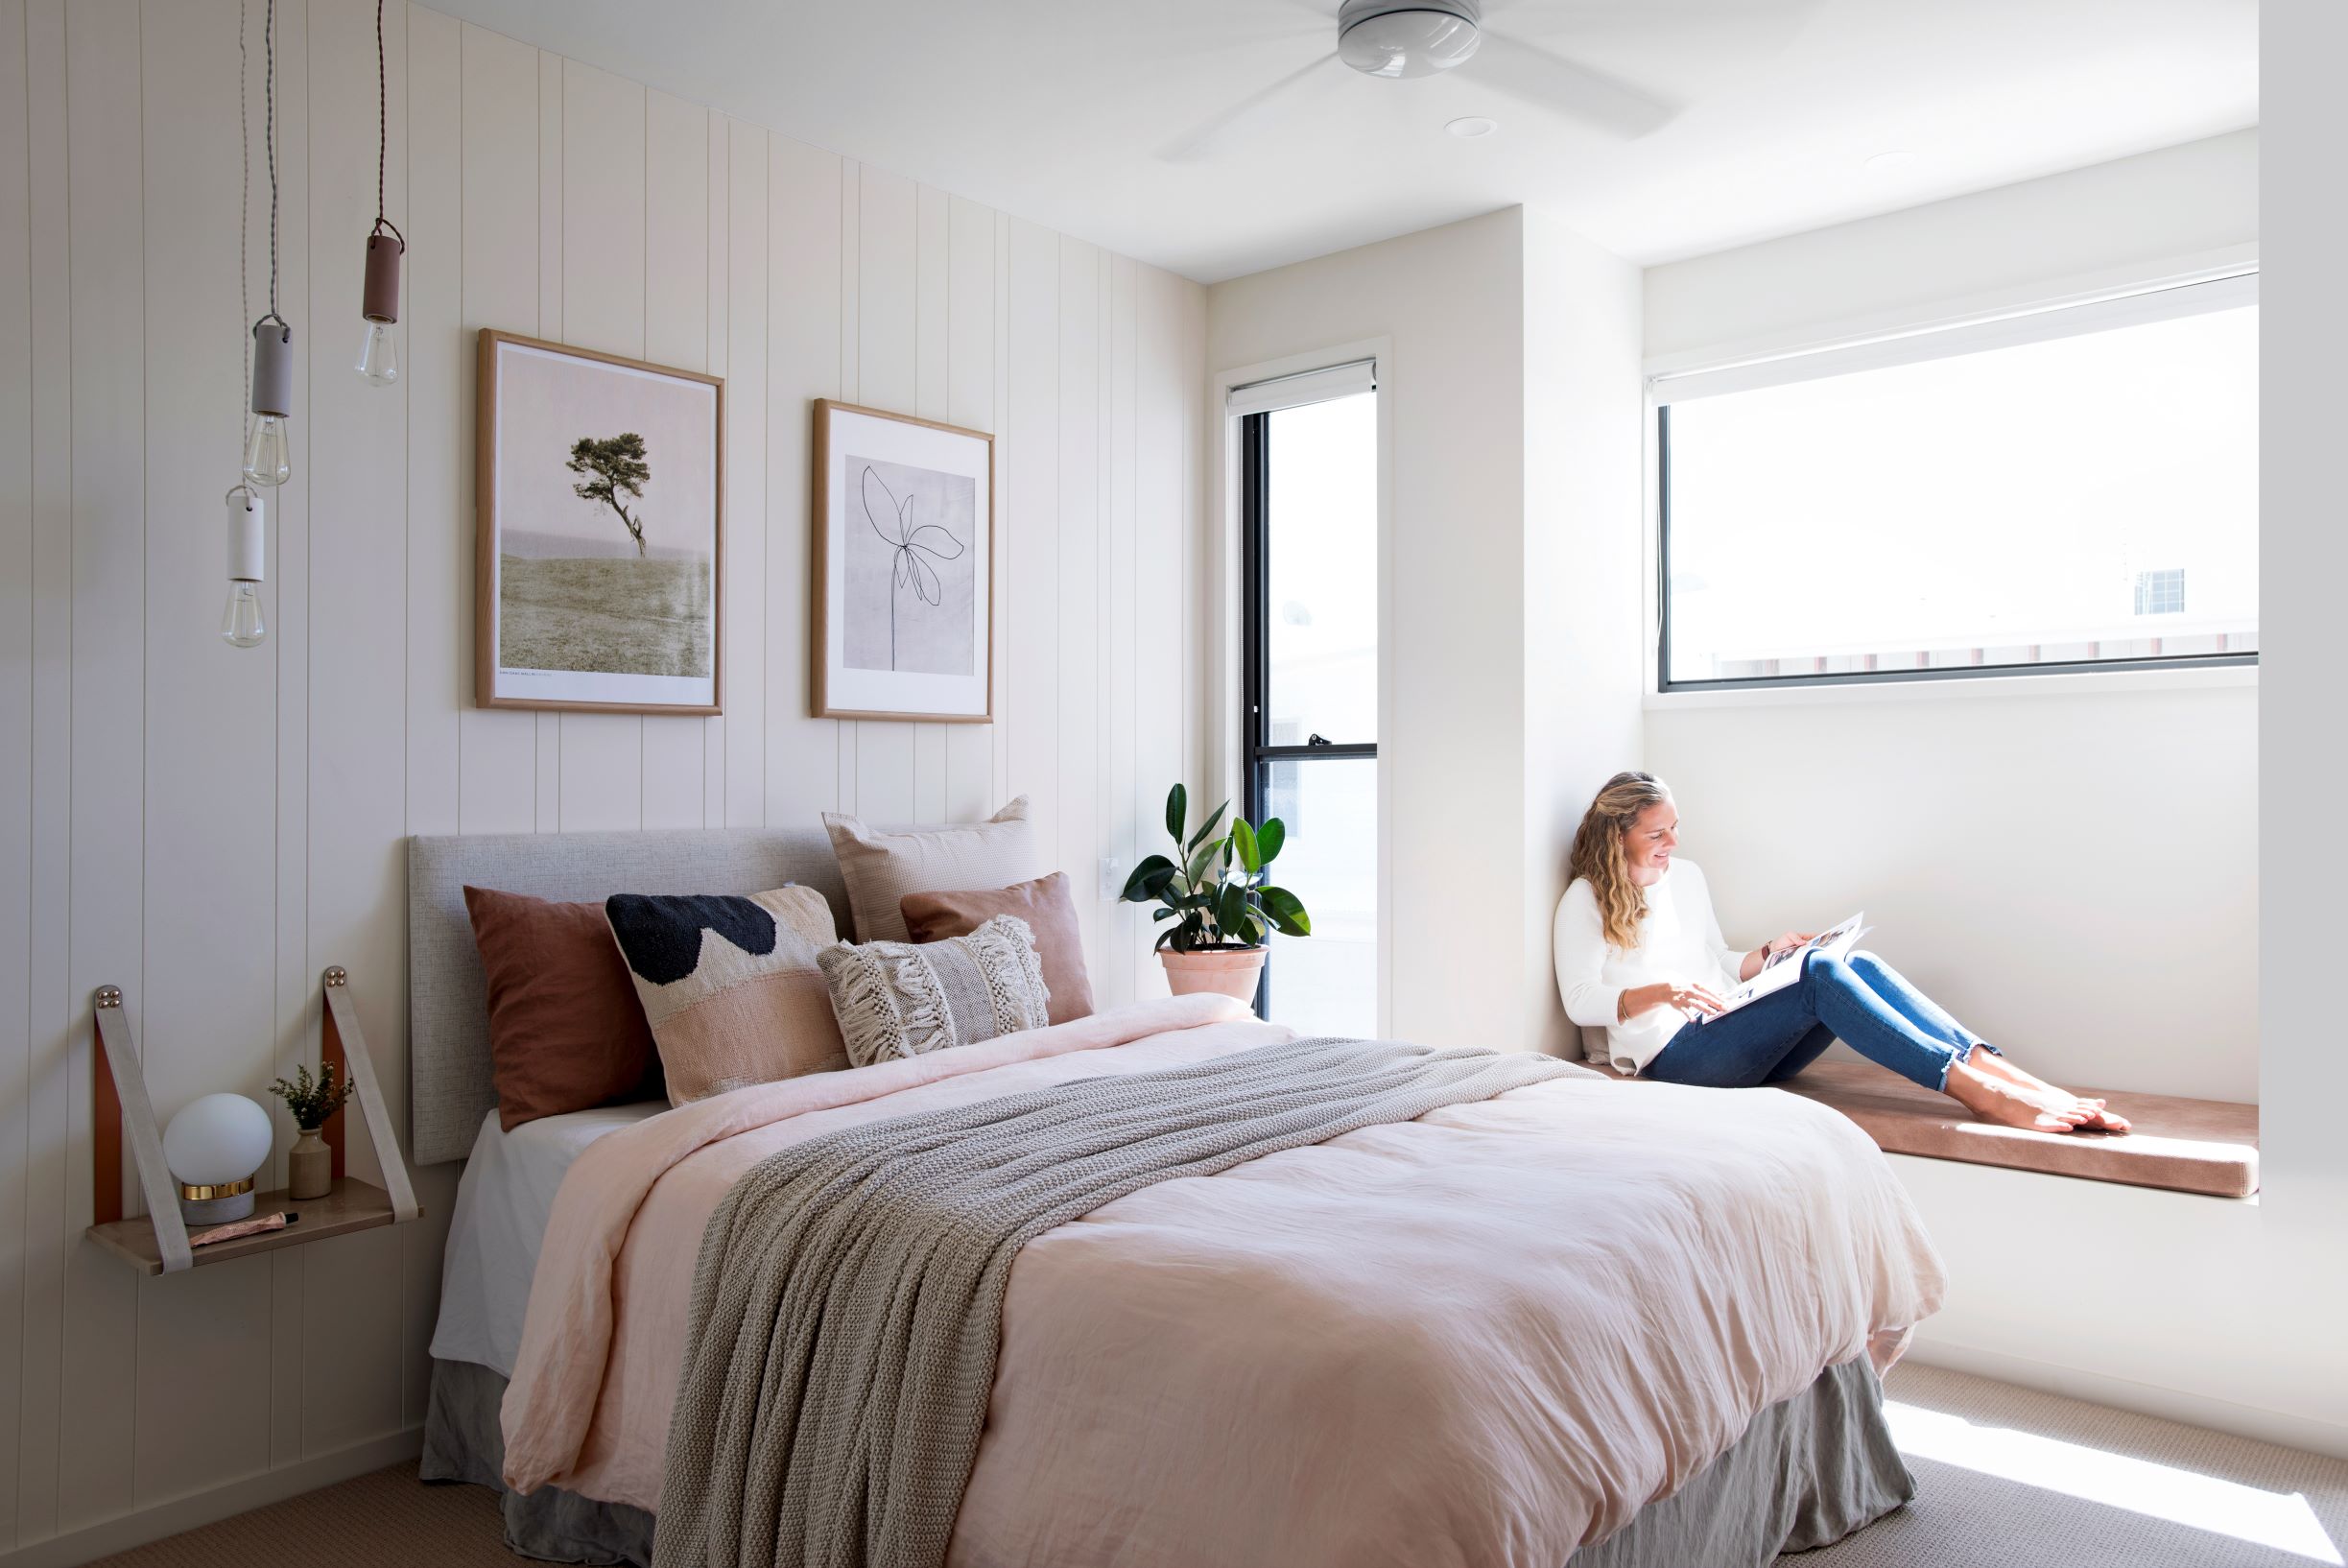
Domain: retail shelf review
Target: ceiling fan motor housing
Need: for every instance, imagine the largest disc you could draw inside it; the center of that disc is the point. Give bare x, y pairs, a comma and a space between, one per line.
1407, 37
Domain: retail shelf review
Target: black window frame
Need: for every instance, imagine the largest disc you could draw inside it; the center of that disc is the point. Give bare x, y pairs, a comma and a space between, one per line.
1257, 752
1859, 677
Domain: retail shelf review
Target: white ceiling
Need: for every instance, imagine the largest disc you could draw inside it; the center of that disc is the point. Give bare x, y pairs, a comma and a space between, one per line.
1065, 111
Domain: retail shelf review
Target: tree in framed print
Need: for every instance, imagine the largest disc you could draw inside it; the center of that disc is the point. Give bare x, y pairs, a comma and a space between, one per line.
903, 583
602, 485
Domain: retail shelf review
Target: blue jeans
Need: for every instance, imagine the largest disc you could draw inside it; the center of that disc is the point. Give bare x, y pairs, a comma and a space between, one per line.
1862, 1001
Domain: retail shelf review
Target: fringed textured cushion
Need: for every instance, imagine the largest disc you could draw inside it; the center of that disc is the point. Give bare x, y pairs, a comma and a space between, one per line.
903, 999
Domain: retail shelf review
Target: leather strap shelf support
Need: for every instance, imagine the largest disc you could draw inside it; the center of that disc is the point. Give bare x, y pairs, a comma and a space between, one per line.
120, 1105
120, 1109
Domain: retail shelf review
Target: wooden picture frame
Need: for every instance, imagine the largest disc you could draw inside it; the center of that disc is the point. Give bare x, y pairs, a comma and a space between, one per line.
919, 489
595, 629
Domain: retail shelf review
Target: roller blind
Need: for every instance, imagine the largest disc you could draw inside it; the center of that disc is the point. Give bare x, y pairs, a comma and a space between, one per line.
2163, 304
1288, 391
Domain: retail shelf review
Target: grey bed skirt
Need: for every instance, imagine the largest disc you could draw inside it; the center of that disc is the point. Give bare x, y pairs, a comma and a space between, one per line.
462, 1442
1809, 1471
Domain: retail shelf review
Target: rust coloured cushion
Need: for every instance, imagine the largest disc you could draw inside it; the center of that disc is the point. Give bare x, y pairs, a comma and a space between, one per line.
1049, 913
566, 1032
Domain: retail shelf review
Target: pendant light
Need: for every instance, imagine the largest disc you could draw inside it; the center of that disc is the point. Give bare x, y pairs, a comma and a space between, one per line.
379, 301
241, 623
268, 455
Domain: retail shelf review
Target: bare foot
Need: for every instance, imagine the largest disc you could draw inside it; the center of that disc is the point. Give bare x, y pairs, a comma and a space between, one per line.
2100, 1118
1998, 1099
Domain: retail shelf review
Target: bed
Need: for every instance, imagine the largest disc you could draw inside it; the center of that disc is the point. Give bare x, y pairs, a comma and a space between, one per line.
1563, 1323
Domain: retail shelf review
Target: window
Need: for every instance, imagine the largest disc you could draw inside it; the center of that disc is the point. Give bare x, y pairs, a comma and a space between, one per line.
2019, 494
2160, 593
1309, 702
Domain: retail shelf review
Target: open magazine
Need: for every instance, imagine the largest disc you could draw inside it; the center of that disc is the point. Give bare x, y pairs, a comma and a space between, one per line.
1782, 970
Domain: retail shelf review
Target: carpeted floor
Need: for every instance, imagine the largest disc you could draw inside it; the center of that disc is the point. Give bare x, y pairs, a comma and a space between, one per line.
2008, 1479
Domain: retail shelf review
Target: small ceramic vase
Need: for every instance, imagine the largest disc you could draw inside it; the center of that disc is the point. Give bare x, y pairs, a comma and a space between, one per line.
309, 1165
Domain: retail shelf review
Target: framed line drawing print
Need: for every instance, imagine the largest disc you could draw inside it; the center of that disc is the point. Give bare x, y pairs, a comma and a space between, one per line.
903, 584
600, 549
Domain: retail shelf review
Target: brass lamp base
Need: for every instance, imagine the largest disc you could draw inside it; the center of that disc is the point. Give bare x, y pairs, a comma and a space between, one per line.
216, 1203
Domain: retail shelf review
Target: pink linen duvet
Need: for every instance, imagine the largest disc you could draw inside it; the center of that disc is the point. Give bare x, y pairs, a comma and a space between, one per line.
1489, 1335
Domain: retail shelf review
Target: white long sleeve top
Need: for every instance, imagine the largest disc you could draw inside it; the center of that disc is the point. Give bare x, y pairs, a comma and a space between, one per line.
1679, 941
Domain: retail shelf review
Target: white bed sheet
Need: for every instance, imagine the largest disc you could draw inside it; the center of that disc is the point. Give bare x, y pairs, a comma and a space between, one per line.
494, 1232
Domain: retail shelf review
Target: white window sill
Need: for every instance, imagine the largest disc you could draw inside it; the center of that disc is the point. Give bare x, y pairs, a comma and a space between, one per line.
1958, 688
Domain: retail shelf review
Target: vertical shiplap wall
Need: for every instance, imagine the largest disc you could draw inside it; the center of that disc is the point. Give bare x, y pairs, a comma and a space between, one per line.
209, 828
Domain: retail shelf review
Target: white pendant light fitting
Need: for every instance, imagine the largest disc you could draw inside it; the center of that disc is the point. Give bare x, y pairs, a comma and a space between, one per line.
1408, 37
241, 624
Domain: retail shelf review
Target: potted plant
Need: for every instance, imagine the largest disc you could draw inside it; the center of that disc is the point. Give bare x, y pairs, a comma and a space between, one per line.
1216, 892
309, 1165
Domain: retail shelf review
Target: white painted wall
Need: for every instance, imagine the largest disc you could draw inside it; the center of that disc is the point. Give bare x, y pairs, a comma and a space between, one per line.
209, 829
1508, 341
1580, 629
2070, 863
2076, 863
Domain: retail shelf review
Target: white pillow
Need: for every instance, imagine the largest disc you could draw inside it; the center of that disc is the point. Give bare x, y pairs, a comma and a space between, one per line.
880, 868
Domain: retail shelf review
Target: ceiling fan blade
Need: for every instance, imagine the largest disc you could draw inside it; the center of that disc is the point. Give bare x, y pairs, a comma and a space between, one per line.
1541, 78
1209, 138
1534, 16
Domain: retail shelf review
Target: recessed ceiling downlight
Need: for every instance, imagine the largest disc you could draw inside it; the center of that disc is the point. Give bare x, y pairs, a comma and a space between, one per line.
1470, 127
1406, 37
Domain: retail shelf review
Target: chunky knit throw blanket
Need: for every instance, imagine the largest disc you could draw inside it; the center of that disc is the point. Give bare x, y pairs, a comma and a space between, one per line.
848, 1298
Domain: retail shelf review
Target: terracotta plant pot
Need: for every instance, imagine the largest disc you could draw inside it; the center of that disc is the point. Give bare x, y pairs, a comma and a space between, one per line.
1231, 971
309, 1165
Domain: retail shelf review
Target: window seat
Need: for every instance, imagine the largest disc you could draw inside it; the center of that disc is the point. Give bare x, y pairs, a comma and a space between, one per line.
2188, 1146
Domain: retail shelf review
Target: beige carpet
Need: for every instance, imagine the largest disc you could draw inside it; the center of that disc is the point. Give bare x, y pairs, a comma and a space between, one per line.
2009, 1479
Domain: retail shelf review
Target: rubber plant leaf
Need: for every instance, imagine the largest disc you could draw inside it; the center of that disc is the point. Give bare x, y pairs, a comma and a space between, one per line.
1243, 840
1286, 911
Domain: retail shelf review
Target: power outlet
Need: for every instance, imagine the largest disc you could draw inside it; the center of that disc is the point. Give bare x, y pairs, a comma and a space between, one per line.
1112, 878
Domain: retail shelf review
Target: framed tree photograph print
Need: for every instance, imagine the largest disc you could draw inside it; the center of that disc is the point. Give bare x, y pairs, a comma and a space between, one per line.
601, 486
903, 582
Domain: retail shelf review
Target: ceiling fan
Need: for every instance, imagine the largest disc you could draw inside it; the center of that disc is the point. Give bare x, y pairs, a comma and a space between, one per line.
1398, 38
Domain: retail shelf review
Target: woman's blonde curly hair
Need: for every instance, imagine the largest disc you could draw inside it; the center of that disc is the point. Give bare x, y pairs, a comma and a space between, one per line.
1597, 852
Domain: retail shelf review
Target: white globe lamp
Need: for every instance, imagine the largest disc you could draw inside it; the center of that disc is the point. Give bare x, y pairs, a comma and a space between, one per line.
214, 1147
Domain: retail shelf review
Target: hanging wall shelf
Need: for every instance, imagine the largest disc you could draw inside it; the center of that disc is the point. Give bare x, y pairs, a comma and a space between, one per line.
156, 1242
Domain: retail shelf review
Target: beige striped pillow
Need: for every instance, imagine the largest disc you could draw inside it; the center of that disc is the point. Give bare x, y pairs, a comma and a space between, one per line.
880, 868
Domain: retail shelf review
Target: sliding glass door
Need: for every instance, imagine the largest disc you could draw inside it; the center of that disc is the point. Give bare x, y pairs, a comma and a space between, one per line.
1309, 698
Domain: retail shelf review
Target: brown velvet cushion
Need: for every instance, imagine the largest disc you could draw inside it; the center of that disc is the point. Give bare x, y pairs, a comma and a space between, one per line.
566, 1031
2192, 1146
1049, 913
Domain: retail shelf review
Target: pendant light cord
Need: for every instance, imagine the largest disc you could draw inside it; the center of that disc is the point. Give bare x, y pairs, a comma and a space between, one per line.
244, 219
383, 129
269, 100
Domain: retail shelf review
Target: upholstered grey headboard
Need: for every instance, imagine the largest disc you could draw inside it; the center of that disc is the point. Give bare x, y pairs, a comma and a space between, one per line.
448, 1018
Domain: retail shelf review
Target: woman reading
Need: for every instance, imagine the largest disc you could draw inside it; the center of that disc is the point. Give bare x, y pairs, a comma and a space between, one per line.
1639, 955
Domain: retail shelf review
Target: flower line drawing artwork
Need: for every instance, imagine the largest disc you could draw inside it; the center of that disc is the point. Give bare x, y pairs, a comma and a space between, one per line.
616, 465
909, 542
